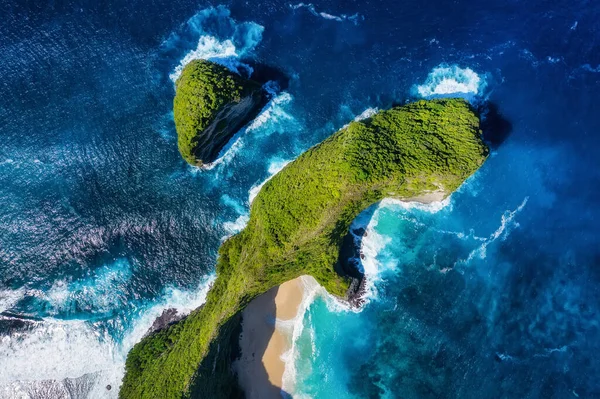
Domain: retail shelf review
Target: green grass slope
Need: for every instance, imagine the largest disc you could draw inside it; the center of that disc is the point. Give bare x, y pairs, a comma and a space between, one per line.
298, 221
202, 90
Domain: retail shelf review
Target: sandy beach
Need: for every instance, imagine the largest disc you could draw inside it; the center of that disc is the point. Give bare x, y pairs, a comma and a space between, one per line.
264, 339
428, 198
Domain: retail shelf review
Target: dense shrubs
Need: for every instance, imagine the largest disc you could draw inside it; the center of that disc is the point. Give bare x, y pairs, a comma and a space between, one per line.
299, 218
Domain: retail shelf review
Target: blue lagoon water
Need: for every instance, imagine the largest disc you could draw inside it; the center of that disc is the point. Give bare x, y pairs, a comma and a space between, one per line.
493, 293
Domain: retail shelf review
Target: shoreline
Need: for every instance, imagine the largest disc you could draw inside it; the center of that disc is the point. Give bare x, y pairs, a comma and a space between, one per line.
268, 324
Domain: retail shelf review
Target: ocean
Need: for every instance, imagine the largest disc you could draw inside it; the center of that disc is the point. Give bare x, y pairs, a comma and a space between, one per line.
492, 293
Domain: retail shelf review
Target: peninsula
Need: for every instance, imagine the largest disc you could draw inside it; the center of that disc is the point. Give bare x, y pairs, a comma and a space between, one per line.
297, 225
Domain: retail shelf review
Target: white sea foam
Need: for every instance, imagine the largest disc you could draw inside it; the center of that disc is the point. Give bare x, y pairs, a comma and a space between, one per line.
355, 18
55, 350
452, 81
220, 39
506, 223
242, 220
367, 113
36, 362
69, 388
293, 328
432, 207
589, 68
98, 292
504, 357
554, 60
270, 117
184, 301
528, 55
233, 203
273, 112
9, 298
226, 154
561, 349
370, 248
373, 243
209, 48
236, 226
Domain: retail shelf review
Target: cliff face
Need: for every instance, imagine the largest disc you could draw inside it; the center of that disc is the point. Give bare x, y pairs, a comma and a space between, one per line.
211, 104
297, 226
230, 118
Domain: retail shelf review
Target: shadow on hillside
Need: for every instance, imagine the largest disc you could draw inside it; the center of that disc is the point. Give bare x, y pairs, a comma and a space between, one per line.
350, 260
263, 73
496, 129
257, 333
217, 375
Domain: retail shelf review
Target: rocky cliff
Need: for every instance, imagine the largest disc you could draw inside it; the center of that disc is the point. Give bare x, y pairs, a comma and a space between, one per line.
211, 104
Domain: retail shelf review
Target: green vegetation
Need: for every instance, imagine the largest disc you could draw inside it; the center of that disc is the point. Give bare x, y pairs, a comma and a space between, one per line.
297, 224
202, 91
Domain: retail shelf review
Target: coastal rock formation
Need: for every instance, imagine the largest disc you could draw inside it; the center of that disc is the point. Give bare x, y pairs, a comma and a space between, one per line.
211, 104
297, 226
167, 317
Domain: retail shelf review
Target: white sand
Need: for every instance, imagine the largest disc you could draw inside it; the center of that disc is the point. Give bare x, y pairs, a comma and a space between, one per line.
260, 368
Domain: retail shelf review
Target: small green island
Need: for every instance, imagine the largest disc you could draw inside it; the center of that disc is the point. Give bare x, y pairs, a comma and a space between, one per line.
297, 225
211, 104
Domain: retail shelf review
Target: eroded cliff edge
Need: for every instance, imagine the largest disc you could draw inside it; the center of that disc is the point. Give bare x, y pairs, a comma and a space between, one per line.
297, 226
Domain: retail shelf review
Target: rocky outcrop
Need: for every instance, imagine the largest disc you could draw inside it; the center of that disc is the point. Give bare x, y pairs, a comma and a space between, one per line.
168, 317
211, 104
227, 121
349, 264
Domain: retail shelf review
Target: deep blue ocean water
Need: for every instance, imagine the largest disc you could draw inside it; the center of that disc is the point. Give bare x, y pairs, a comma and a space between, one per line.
102, 225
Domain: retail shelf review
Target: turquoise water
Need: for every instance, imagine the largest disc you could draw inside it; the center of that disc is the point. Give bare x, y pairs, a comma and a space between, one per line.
472, 295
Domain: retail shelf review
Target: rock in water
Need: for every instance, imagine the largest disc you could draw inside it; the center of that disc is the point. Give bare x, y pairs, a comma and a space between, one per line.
211, 104
168, 317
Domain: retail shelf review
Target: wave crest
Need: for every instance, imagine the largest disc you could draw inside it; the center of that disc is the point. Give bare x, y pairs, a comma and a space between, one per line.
451, 81
54, 355
355, 18
217, 37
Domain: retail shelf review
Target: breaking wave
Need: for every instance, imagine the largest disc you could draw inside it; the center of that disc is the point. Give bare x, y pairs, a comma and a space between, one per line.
55, 357
373, 243
366, 114
295, 327
354, 18
507, 221
272, 112
212, 34
269, 120
451, 81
